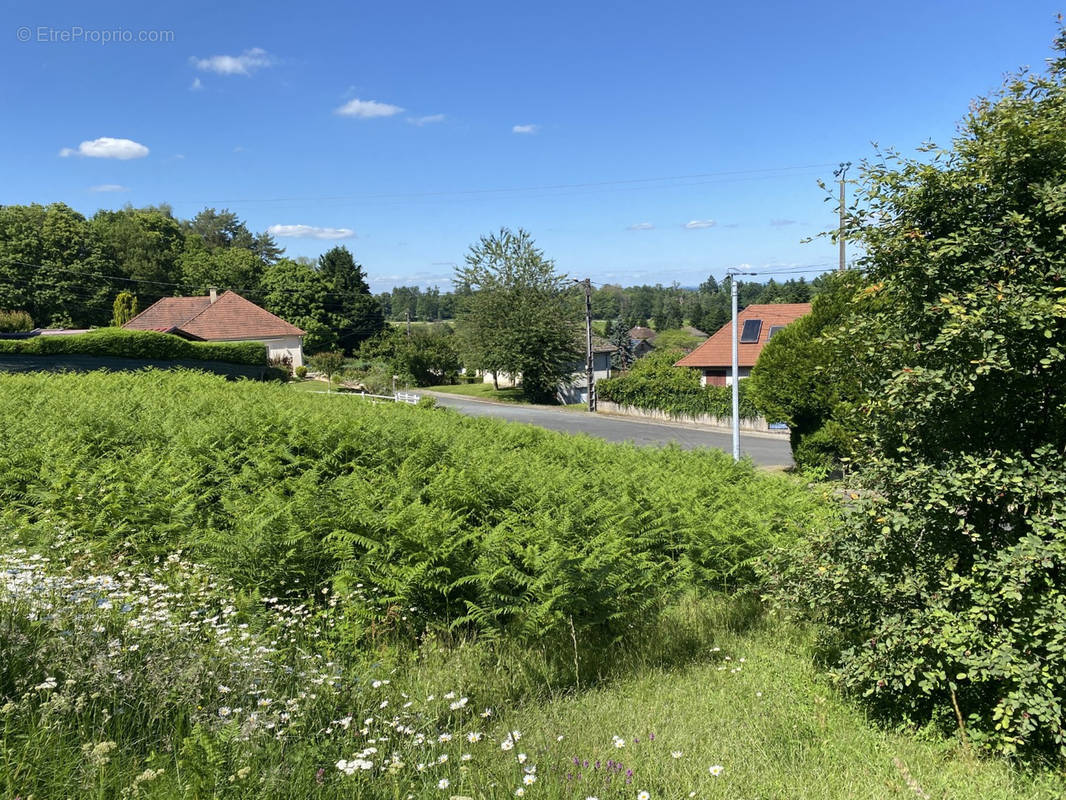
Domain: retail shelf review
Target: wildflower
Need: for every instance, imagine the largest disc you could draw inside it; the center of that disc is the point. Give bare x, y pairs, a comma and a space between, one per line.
507, 744
716, 770
224, 711
619, 742
465, 757
442, 758
449, 696
519, 792
522, 758
529, 779
643, 796
443, 783
444, 737
676, 754
486, 713
473, 737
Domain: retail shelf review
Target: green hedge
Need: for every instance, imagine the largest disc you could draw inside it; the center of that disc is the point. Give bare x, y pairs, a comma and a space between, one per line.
655, 384
137, 344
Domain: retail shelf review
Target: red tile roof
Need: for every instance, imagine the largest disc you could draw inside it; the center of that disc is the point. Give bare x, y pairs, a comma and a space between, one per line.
229, 318
717, 351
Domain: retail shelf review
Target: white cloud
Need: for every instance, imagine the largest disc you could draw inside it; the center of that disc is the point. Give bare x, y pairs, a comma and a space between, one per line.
196, 85
697, 224
427, 120
244, 64
367, 109
106, 147
641, 226
525, 128
780, 223
109, 187
309, 232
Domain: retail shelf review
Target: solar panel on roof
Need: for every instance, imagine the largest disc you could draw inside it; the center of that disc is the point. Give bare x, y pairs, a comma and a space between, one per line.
751, 331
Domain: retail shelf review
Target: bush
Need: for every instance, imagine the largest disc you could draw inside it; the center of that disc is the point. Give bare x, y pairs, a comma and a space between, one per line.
944, 590
805, 377
655, 384
149, 345
15, 322
483, 526
301, 372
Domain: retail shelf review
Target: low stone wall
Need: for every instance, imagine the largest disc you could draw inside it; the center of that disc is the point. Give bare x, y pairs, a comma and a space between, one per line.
756, 425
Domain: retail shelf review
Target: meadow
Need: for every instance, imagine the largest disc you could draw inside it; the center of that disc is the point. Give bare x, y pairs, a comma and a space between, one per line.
242, 590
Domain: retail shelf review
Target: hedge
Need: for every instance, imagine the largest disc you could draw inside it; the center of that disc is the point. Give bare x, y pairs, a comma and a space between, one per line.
655, 384
137, 344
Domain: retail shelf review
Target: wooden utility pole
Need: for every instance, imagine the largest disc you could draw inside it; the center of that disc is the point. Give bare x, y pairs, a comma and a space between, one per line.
588, 343
840, 173
407, 314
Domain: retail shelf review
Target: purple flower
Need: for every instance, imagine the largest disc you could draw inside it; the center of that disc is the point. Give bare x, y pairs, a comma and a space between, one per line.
651, 736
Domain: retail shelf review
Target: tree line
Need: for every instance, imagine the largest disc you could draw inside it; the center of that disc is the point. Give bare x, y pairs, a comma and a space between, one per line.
706, 307
62, 269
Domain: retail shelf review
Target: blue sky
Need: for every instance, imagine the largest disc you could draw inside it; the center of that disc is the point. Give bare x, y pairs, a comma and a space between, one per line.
637, 142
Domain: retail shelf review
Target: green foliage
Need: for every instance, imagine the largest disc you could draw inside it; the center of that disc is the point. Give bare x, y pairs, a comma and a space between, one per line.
328, 363
517, 315
301, 372
622, 358
124, 309
805, 376
477, 525
428, 356
945, 588
296, 292
677, 339
655, 384
15, 321
354, 314
137, 344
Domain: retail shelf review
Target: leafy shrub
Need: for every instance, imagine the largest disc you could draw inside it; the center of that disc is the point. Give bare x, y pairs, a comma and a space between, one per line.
805, 377
137, 344
301, 372
945, 587
15, 321
654, 383
481, 525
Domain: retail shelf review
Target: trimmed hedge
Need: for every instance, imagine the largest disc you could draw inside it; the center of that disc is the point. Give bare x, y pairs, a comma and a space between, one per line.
655, 384
120, 343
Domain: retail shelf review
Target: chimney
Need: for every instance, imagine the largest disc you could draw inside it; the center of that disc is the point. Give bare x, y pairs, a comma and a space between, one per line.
214, 294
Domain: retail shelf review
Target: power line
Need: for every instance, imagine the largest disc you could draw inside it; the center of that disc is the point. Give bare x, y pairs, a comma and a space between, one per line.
756, 173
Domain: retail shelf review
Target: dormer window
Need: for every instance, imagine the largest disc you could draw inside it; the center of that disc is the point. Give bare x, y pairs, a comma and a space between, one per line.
774, 329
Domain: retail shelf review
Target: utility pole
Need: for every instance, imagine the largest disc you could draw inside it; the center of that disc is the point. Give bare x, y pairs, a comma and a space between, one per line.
736, 371
840, 172
588, 343
407, 314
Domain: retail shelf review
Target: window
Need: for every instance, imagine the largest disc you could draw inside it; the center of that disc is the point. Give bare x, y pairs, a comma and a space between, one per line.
774, 329
752, 329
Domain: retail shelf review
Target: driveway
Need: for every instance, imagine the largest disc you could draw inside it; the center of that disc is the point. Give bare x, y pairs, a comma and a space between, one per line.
763, 450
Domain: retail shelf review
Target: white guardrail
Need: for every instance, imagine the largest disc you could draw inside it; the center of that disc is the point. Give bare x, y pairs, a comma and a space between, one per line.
400, 397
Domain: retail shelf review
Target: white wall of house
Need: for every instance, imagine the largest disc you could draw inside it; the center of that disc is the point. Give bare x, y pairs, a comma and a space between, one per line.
290, 347
714, 377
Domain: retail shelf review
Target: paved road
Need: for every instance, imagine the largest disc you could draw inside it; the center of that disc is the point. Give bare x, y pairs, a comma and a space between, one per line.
763, 450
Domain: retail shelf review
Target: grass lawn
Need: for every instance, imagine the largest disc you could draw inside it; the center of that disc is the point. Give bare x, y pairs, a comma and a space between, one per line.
759, 710
484, 391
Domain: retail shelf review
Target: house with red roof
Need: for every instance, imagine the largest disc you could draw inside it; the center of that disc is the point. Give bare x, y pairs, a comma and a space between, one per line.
223, 318
756, 325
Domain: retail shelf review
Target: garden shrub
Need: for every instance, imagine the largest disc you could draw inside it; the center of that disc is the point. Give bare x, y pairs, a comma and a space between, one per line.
137, 344
943, 591
655, 384
15, 321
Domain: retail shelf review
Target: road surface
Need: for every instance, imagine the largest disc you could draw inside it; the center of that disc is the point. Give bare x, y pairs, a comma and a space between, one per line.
762, 450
